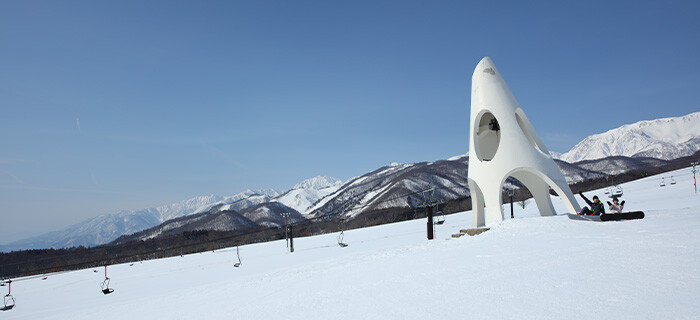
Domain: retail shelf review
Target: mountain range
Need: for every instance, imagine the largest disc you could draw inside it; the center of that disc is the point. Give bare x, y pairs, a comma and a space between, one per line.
667, 138
634, 146
389, 187
106, 228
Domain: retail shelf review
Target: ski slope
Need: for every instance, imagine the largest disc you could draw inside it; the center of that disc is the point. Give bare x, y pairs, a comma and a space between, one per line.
530, 267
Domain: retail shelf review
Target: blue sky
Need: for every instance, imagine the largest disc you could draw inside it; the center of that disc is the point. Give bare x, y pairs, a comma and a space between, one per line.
106, 106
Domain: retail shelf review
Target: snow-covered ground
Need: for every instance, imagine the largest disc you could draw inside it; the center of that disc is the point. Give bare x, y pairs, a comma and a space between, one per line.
527, 268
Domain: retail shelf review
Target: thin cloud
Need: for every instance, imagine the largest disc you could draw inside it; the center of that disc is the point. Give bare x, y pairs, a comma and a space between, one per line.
77, 123
16, 179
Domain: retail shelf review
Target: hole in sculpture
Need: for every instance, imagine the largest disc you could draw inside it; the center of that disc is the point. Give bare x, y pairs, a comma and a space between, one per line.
525, 182
528, 130
516, 194
488, 136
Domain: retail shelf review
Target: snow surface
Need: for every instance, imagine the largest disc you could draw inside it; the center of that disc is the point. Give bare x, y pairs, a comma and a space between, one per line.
530, 267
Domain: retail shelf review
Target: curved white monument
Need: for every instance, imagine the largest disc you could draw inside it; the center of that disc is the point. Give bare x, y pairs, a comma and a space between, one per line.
502, 144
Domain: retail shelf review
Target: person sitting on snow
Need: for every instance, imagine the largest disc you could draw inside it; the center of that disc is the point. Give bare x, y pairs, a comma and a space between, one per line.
616, 206
597, 207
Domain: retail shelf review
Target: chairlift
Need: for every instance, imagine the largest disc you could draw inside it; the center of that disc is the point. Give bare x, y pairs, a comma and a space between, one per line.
238, 254
105, 284
9, 300
672, 180
662, 184
617, 192
439, 216
341, 235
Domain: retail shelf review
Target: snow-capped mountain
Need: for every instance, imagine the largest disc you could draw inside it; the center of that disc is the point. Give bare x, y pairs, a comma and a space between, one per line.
618, 164
667, 138
105, 228
574, 173
268, 214
318, 182
306, 193
396, 186
383, 188
302, 200
252, 211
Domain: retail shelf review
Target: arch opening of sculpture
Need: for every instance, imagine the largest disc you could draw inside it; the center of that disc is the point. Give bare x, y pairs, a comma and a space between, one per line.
538, 187
488, 136
515, 188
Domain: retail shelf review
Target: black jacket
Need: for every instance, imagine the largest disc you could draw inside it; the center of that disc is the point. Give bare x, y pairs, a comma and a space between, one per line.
596, 208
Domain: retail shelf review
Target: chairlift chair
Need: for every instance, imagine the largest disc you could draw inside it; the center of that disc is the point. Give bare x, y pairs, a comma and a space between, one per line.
341, 235
105, 287
340, 241
105, 284
662, 184
439, 216
237, 264
440, 219
672, 180
8, 300
617, 192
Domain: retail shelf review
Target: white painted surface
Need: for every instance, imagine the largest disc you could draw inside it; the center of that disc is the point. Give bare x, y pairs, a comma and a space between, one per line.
515, 150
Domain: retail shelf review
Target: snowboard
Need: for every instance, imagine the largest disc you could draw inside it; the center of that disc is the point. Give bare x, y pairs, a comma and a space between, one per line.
622, 216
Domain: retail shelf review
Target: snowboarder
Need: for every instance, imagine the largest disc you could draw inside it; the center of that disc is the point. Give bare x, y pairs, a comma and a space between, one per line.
597, 207
616, 206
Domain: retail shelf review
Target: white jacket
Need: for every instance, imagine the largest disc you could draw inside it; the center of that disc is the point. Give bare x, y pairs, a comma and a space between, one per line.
616, 208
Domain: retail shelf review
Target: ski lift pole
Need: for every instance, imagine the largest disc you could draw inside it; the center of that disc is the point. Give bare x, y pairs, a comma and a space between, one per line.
429, 210
286, 227
511, 192
291, 239
695, 182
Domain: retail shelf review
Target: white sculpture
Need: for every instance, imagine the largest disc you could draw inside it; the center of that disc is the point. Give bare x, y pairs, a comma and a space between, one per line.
502, 144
